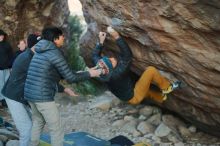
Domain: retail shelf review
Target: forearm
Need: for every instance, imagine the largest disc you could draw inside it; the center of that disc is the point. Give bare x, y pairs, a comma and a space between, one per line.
96, 54
79, 76
125, 51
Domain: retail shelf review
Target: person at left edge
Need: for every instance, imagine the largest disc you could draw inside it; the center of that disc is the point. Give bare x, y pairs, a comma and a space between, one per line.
6, 57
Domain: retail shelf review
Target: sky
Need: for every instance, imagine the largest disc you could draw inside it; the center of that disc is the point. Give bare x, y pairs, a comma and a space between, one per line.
75, 7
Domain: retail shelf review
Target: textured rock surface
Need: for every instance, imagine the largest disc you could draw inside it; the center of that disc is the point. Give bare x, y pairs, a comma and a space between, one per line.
20, 17
178, 37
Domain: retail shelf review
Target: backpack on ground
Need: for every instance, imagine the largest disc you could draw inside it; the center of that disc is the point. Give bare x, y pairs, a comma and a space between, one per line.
121, 141
124, 141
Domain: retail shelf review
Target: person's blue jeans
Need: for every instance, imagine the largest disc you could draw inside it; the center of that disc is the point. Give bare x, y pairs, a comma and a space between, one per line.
21, 117
4, 74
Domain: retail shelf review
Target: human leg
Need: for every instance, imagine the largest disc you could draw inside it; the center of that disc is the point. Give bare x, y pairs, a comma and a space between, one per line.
38, 125
4, 74
22, 120
150, 75
51, 115
156, 96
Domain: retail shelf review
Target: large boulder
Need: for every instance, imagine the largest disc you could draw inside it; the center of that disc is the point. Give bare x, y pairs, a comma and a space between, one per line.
179, 37
21, 17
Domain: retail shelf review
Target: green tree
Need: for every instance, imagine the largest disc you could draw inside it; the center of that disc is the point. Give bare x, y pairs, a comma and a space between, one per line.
75, 30
76, 61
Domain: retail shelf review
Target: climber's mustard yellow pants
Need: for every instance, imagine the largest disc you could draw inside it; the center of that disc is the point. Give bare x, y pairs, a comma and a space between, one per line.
142, 91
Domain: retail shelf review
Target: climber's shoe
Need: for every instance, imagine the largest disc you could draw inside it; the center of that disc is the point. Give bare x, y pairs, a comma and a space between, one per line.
172, 87
164, 97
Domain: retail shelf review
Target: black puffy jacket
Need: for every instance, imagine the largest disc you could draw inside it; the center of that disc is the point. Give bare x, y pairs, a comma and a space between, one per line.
45, 71
14, 87
6, 55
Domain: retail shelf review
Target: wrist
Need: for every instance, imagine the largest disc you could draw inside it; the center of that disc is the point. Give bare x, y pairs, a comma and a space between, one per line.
99, 44
89, 72
116, 37
65, 89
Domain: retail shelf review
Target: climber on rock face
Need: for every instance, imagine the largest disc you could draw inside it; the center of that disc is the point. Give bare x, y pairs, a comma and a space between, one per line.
115, 73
